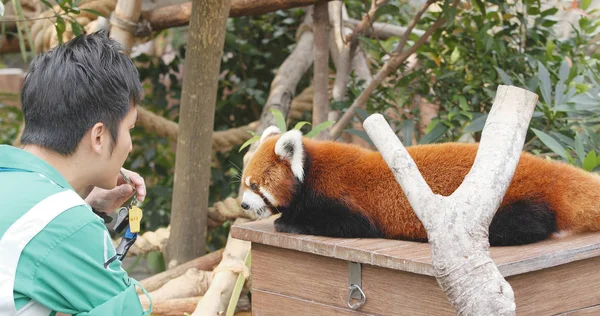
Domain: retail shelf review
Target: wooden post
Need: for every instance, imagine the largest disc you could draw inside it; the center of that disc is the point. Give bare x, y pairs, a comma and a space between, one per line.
126, 14
196, 121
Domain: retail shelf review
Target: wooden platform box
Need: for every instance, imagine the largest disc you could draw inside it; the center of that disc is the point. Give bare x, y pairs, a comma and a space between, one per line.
309, 275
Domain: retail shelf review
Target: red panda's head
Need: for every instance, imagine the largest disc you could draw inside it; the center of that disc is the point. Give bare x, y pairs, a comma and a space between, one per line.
269, 179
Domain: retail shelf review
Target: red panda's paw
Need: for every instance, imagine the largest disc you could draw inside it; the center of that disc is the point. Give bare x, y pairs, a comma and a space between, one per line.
281, 227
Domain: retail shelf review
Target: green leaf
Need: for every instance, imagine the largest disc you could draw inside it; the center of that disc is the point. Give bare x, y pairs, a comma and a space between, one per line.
476, 125
408, 127
455, 55
579, 147
47, 3
545, 87
319, 128
92, 11
362, 113
590, 161
563, 73
249, 142
505, 77
550, 46
76, 27
60, 28
481, 6
279, 120
585, 4
360, 133
437, 132
550, 143
299, 125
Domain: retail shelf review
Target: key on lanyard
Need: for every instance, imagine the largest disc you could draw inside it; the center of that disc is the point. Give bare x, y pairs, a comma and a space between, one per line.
135, 212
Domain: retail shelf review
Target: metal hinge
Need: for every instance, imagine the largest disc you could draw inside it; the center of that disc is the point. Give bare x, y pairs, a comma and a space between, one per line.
355, 285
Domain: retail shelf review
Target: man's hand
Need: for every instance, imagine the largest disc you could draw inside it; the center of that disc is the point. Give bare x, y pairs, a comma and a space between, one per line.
108, 201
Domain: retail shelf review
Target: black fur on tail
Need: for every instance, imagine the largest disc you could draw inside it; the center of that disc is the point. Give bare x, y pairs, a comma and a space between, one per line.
522, 222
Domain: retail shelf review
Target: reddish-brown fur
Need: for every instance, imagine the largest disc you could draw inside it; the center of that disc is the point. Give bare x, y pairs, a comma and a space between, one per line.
363, 179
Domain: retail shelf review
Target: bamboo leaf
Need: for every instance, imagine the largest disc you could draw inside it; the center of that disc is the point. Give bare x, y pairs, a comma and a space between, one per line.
550, 143
299, 125
319, 128
279, 120
249, 142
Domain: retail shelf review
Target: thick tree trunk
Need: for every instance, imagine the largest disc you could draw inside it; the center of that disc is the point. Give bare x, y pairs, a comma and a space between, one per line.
194, 144
458, 225
179, 14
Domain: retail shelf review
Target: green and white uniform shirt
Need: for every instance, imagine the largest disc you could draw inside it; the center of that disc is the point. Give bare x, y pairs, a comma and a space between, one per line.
55, 253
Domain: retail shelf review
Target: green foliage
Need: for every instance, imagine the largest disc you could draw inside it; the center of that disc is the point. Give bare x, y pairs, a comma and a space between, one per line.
68, 9
486, 45
280, 122
10, 119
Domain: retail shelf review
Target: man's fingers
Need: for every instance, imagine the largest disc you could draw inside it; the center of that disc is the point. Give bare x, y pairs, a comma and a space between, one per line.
138, 182
125, 190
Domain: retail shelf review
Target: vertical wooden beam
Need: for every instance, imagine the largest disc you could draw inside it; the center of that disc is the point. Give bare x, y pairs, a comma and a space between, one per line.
321, 65
126, 14
206, 39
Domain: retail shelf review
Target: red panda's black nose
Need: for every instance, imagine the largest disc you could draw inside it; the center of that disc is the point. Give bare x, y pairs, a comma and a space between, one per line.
245, 206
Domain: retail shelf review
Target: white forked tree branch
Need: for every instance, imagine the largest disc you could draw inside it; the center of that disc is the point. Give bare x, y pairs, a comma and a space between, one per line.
458, 225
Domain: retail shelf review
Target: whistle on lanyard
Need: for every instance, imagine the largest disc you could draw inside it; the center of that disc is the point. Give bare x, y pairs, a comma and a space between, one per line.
128, 217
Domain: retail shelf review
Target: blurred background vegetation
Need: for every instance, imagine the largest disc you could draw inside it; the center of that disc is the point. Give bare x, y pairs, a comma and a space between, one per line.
483, 44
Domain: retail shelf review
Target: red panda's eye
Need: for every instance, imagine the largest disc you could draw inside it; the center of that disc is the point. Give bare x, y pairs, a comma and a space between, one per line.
254, 186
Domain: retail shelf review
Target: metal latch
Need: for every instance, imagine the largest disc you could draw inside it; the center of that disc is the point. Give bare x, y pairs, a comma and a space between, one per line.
355, 285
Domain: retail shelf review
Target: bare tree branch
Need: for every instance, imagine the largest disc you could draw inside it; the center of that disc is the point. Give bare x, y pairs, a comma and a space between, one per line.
321, 65
392, 64
458, 225
383, 31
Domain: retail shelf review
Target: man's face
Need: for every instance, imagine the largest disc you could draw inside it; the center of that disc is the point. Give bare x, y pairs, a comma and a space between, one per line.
115, 160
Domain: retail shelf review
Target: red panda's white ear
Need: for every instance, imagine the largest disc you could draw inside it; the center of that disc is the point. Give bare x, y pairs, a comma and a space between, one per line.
289, 147
271, 130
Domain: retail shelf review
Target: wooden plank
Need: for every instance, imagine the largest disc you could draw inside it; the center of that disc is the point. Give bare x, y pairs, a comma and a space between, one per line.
589, 311
265, 303
559, 289
416, 257
324, 280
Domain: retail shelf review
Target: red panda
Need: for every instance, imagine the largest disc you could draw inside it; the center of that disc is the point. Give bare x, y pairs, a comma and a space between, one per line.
337, 189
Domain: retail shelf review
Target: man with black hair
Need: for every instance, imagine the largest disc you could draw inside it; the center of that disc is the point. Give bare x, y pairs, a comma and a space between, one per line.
79, 104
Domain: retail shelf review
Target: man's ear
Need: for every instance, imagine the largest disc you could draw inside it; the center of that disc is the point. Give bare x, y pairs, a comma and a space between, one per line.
290, 147
269, 131
98, 134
